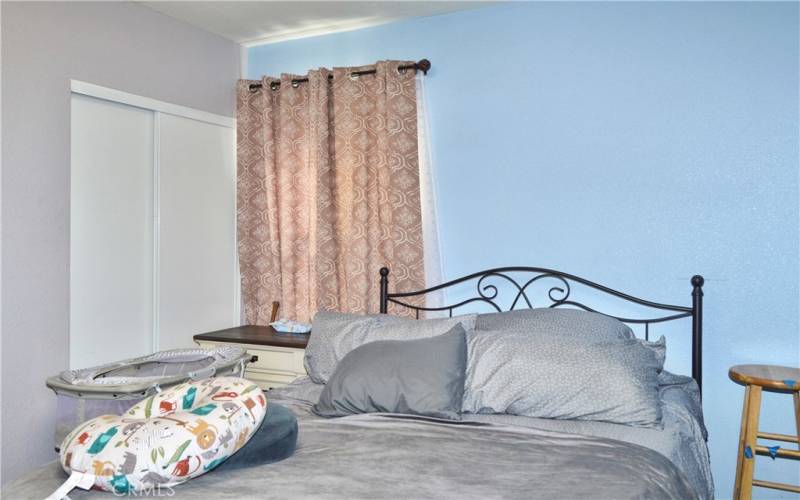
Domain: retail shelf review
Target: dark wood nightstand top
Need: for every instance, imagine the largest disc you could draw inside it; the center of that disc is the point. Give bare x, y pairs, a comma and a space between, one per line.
255, 335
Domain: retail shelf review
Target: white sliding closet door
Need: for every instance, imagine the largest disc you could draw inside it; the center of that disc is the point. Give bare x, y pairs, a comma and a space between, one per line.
197, 260
111, 231
152, 225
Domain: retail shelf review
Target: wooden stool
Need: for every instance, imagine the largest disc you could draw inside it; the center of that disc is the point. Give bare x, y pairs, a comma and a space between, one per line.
756, 378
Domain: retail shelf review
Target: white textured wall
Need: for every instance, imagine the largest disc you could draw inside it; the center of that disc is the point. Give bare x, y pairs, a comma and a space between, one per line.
119, 45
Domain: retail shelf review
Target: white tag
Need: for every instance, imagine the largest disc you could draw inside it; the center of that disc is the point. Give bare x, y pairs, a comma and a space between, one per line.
86, 481
75, 480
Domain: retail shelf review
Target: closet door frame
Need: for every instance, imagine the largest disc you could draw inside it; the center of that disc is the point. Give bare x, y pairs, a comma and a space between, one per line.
158, 108
109, 94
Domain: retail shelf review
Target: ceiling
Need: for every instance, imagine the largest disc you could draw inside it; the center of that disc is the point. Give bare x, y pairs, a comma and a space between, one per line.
254, 23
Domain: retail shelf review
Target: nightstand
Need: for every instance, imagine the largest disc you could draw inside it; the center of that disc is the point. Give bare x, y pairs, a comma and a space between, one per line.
280, 355
755, 379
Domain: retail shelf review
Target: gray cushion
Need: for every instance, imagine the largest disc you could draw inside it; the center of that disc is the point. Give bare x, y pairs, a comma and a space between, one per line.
418, 377
561, 322
275, 440
563, 378
335, 334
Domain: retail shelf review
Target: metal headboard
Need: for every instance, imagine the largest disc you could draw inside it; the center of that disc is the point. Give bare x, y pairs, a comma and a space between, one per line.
559, 296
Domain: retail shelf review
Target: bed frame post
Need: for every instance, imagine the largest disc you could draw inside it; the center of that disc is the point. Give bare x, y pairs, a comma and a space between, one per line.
697, 330
384, 289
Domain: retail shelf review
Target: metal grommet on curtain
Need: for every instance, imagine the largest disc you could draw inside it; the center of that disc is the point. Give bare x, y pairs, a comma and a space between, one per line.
295, 84
274, 86
354, 76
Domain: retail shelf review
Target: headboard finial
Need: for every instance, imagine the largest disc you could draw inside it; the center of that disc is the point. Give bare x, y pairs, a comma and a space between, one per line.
384, 304
697, 329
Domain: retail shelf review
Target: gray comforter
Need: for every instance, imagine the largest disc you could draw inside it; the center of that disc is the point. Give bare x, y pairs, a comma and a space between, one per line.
681, 438
380, 456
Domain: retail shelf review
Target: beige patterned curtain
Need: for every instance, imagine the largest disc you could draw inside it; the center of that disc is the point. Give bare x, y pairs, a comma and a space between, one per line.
328, 191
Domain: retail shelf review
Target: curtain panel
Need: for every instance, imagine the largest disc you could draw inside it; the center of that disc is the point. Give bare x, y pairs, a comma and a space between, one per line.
328, 190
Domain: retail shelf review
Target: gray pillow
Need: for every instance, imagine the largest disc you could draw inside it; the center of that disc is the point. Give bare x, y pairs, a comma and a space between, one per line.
335, 334
418, 377
563, 378
319, 359
561, 322
659, 348
566, 323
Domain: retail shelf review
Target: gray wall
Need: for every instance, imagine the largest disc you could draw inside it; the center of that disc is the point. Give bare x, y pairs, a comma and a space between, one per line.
120, 45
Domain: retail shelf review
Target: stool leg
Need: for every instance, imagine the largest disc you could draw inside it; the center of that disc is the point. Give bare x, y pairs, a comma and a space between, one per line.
751, 431
796, 396
737, 485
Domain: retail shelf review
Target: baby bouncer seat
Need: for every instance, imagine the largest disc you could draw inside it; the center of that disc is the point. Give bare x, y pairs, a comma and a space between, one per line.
114, 387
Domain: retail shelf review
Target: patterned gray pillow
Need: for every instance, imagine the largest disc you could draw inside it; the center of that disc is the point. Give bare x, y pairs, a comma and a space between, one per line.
566, 323
659, 348
335, 334
560, 322
319, 360
561, 378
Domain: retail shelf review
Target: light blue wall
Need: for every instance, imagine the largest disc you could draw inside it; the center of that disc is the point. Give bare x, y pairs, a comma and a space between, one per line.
634, 144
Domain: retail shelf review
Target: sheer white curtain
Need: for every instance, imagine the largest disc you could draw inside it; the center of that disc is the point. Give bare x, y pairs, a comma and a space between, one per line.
430, 227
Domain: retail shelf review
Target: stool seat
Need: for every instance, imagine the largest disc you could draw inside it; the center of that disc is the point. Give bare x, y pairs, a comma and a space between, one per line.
755, 379
770, 377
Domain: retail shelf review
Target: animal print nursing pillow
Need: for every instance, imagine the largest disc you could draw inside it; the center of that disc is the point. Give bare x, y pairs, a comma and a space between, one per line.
167, 438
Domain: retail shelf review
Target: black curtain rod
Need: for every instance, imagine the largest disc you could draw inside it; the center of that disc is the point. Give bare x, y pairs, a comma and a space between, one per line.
422, 65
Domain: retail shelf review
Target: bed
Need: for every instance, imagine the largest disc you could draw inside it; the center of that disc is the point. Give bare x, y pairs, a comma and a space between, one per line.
383, 455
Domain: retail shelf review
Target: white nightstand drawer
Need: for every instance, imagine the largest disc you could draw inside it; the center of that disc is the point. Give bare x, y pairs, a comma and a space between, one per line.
275, 366
281, 359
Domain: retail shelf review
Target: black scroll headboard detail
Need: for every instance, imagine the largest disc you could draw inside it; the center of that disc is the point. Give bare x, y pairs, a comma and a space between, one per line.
559, 295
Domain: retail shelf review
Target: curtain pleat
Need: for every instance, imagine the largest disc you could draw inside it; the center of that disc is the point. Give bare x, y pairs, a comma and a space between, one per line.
328, 191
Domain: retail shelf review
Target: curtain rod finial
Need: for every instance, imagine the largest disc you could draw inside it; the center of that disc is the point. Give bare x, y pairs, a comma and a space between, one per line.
424, 65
